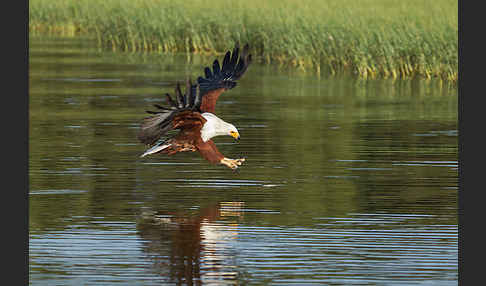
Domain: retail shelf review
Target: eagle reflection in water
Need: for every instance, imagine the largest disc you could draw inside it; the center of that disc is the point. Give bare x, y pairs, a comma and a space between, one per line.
193, 249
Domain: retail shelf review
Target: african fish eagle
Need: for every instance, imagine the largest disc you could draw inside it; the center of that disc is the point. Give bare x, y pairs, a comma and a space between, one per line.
192, 113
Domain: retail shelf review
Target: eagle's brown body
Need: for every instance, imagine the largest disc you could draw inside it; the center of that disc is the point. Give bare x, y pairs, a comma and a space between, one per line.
189, 138
185, 114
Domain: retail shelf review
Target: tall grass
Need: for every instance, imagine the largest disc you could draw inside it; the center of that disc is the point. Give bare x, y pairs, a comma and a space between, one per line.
372, 38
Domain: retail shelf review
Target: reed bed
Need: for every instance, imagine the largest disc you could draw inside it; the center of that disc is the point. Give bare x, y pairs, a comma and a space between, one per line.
371, 38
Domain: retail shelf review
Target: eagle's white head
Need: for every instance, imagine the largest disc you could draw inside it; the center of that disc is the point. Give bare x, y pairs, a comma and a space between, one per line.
215, 126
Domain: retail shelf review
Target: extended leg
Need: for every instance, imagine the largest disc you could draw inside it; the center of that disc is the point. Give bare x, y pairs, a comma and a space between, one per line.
232, 163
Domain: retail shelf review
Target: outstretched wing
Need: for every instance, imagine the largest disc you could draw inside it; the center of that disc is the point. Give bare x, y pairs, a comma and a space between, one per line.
183, 112
222, 78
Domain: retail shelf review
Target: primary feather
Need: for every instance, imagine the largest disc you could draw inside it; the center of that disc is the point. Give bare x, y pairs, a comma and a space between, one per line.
155, 149
234, 66
156, 126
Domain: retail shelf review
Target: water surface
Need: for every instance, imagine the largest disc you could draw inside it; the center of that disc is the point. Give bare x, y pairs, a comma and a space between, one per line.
347, 182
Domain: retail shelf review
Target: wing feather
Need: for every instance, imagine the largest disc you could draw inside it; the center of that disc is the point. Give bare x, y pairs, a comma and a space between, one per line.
208, 73
154, 127
222, 78
179, 96
177, 116
234, 58
198, 99
170, 101
226, 62
216, 68
191, 97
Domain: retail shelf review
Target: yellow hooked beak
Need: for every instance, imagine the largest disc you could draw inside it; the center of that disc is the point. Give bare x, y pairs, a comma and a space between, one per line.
235, 135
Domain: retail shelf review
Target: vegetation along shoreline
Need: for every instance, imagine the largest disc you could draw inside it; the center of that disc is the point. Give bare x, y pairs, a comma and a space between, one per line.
371, 38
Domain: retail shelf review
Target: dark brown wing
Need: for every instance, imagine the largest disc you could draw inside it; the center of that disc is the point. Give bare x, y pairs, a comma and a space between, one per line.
189, 123
209, 100
181, 113
222, 78
188, 120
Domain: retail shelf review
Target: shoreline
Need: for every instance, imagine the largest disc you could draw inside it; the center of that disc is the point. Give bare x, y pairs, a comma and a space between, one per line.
383, 43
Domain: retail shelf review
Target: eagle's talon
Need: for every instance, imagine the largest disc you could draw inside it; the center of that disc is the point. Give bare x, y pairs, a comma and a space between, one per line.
232, 163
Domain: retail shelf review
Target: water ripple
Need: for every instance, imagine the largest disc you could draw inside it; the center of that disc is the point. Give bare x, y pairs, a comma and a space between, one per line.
220, 183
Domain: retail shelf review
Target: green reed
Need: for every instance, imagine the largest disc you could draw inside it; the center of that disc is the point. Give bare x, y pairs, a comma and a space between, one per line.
371, 38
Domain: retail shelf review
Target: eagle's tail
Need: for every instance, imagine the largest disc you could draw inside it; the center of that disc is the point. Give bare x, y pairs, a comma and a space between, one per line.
156, 148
